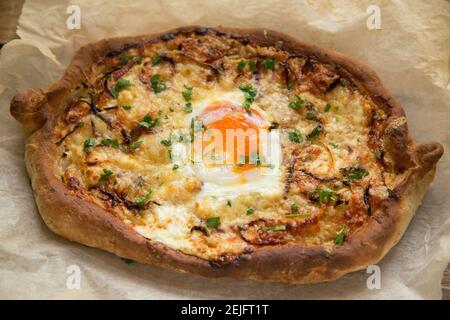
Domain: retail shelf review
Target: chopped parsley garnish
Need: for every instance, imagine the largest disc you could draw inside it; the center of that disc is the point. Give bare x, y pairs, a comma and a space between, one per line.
229, 203
241, 65
114, 143
298, 215
252, 66
88, 143
269, 63
148, 122
139, 60
327, 107
310, 116
121, 84
166, 143
175, 167
105, 175
344, 81
324, 195
187, 94
250, 211
378, 154
127, 107
142, 201
124, 59
80, 124
281, 227
296, 136
297, 103
315, 132
213, 222
294, 207
157, 83
249, 96
356, 173
135, 145
188, 107
340, 236
156, 59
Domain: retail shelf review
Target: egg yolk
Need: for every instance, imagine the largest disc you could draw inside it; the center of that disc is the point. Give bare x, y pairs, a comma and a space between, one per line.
226, 118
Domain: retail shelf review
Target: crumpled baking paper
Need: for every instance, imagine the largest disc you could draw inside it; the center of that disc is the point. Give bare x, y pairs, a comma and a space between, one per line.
410, 53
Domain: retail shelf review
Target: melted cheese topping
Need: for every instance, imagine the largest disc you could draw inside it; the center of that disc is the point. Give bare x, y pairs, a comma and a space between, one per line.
128, 149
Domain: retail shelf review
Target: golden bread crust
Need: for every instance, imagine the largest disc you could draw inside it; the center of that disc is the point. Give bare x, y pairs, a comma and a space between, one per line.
70, 216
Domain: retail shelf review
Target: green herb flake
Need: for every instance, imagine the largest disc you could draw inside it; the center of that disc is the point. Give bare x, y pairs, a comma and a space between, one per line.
148, 122
315, 132
127, 107
340, 236
156, 59
142, 201
88, 143
344, 82
213, 222
378, 154
356, 173
139, 60
298, 215
310, 116
249, 96
268, 63
229, 203
114, 143
187, 94
297, 103
327, 107
296, 136
157, 83
166, 143
124, 59
250, 211
326, 195
113, 92
175, 167
105, 175
252, 66
294, 208
135, 145
188, 107
122, 84
241, 65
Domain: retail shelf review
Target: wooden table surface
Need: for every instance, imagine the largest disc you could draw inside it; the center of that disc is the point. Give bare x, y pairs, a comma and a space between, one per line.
9, 14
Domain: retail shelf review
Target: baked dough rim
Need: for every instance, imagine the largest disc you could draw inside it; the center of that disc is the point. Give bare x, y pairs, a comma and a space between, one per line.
70, 216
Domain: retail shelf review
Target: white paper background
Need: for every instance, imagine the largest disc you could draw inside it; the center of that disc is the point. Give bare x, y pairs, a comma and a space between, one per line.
410, 53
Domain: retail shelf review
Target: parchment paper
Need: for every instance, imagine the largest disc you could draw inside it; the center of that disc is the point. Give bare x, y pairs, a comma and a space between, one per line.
410, 53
